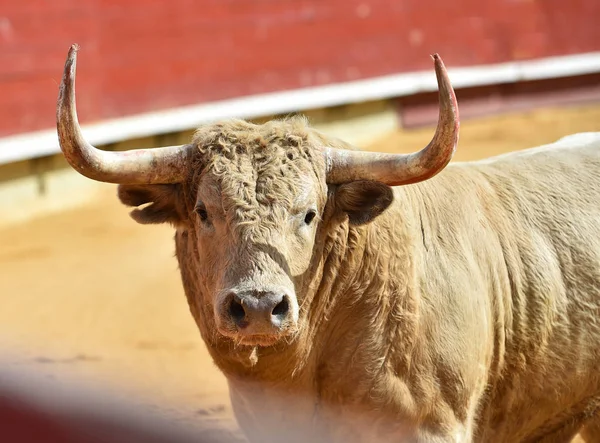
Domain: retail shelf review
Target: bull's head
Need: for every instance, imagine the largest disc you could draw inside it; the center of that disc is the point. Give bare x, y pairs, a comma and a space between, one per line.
252, 205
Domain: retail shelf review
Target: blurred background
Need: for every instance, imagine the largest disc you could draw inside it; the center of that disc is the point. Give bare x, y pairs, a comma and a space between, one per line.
87, 294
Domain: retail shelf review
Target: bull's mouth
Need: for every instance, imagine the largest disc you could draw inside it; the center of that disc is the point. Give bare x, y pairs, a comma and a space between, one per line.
240, 337
258, 340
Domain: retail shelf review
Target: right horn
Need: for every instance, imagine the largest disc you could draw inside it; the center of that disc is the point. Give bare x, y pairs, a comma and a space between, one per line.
401, 169
134, 167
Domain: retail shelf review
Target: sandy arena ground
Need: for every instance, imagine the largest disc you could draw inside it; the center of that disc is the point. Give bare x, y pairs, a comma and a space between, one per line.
90, 294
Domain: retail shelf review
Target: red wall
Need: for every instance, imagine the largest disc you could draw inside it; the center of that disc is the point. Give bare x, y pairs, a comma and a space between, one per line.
138, 56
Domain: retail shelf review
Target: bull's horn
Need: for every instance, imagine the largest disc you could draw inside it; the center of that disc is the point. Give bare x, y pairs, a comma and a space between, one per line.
402, 169
139, 166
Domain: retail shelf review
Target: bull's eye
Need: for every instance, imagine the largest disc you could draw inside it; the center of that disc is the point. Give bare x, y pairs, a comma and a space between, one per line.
202, 214
201, 211
310, 216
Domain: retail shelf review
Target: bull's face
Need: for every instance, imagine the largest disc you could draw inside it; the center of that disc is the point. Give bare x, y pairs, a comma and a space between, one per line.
255, 204
252, 205
258, 202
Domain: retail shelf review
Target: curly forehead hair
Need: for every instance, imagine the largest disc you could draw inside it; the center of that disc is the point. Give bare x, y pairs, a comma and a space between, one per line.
258, 165
231, 137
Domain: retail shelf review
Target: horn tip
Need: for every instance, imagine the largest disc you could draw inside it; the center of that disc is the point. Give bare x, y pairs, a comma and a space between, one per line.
73, 51
70, 62
437, 60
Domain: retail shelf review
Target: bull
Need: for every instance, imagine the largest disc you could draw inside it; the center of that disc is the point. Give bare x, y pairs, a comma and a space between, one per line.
362, 296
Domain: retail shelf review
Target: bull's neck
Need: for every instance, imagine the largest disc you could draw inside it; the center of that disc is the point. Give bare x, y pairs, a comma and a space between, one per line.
371, 308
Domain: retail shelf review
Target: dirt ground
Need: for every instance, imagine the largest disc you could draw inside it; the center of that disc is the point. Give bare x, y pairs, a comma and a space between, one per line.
90, 294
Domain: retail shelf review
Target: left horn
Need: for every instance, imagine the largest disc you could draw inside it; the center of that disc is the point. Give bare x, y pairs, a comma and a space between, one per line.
402, 169
135, 167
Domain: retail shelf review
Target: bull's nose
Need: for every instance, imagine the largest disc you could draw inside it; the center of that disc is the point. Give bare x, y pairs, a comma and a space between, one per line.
256, 310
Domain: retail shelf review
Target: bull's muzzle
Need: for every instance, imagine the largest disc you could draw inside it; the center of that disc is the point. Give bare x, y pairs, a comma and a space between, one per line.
257, 317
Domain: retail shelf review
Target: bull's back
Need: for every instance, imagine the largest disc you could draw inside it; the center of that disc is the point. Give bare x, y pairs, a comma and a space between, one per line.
544, 205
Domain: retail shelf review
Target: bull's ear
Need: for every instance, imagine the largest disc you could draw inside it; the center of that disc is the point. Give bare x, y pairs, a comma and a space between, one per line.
164, 203
363, 200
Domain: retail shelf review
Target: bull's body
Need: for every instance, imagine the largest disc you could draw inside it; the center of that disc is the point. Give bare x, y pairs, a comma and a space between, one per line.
470, 308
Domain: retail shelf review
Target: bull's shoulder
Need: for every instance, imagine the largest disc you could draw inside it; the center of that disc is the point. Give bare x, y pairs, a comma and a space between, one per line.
572, 146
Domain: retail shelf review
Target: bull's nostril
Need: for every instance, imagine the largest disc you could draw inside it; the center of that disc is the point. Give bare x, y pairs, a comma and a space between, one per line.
236, 311
282, 308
